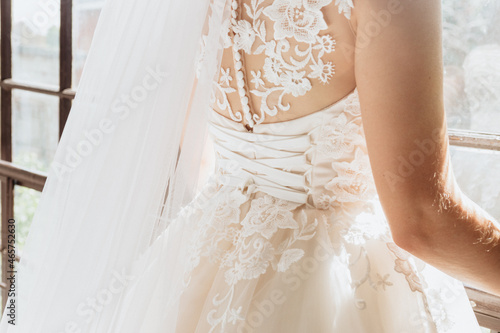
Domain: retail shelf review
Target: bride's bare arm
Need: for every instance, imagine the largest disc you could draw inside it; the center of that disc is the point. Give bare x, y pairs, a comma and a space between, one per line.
399, 74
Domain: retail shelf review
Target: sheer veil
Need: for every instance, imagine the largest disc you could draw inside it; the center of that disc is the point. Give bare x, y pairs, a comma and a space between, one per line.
119, 178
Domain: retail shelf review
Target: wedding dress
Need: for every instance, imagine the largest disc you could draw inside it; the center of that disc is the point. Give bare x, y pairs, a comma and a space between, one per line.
287, 234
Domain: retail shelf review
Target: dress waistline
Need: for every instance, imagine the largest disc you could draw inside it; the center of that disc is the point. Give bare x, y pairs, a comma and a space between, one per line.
277, 165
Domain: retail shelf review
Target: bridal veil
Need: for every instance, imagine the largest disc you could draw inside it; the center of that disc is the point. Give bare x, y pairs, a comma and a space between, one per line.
120, 174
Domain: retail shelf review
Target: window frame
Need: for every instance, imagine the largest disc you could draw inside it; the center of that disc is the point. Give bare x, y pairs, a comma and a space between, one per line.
12, 175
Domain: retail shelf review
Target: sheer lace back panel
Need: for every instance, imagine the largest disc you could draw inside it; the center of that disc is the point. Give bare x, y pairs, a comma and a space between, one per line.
284, 59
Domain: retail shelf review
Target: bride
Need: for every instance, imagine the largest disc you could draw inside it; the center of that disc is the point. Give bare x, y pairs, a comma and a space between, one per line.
330, 206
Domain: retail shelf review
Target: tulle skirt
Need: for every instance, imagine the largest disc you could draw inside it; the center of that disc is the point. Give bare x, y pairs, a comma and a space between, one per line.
235, 261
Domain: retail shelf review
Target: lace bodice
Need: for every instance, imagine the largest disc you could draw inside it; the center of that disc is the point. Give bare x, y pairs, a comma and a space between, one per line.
280, 190
275, 53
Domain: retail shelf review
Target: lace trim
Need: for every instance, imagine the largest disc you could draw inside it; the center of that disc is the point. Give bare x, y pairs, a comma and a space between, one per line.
342, 140
434, 299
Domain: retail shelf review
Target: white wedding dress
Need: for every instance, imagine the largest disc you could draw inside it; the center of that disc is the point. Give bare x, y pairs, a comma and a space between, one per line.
287, 235
292, 239
297, 242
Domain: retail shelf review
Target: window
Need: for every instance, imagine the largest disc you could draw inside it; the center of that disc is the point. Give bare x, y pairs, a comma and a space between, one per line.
472, 100
43, 49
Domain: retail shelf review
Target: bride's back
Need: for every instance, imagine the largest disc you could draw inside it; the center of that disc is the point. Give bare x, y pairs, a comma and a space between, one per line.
283, 59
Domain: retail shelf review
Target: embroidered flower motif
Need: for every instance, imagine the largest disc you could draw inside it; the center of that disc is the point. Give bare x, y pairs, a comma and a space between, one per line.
228, 210
289, 67
444, 320
235, 315
254, 264
326, 44
352, 105
339, 137
382, 281
247, 253
225, 76
200, 58
324, 201
345, 7
267, 214
272, 70
403, 265
434, 299
226, 33
353, 182
366, 226
288, 258
256, 79
244, 36
324, 72
295, 83
301, 19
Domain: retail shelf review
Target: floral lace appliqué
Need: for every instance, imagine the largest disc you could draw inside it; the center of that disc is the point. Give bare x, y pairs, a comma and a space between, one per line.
267, 214
345, 7
404, 265
435, 299
299, 19
353, 182
342, 140
339, 137
246, 249
287, 69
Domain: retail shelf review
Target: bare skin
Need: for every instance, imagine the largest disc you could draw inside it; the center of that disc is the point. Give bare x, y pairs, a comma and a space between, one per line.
400, 84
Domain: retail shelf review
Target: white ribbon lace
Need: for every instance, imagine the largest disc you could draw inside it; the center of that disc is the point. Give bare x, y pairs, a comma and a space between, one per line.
279, 165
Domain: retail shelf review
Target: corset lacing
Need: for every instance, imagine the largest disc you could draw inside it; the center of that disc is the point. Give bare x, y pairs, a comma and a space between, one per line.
279, 164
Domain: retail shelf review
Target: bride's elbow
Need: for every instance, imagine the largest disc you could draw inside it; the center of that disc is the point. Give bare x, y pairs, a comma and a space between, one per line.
411, 230
422, 208
413, 243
